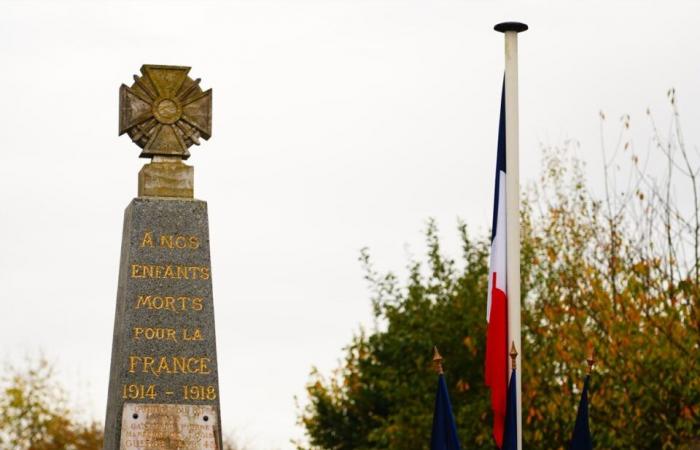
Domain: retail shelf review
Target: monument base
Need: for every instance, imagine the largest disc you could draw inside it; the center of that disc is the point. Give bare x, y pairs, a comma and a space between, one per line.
163, 386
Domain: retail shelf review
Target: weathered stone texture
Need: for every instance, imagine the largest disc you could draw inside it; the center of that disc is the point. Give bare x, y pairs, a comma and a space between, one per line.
164, 323
166, 179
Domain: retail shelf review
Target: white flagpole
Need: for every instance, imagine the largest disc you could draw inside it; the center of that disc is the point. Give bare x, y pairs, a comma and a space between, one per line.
511, 30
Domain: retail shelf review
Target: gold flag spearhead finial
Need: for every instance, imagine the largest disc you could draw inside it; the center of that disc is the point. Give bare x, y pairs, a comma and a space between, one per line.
437, 361
590, 359
513, 355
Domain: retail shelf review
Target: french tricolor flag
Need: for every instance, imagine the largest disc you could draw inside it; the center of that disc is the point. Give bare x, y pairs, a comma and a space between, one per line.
496, 372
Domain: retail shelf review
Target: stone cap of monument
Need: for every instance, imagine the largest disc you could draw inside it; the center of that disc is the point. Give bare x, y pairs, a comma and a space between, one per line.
165, 112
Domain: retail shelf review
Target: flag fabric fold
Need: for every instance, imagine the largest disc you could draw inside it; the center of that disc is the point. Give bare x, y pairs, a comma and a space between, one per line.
510, 434
496, 370
444, 434
581, 439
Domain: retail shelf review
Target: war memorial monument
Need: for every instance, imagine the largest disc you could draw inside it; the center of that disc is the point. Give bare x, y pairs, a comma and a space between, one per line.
163, 385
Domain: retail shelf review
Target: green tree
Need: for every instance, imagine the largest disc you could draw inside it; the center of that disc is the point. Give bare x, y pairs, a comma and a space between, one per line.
621, 274
382, 396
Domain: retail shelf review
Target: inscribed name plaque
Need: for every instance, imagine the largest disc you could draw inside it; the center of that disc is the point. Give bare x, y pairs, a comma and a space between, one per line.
163, 386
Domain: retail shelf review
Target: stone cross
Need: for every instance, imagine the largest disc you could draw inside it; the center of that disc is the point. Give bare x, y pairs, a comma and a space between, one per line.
165, 112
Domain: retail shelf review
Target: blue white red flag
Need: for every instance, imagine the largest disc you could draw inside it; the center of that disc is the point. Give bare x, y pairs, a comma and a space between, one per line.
496, 371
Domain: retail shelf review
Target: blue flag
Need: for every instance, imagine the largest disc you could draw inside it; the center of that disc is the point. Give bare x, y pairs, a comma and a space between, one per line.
510, 432
444, 435
581, 439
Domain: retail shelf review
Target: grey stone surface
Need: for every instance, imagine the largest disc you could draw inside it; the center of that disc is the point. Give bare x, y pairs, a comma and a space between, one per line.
173, 268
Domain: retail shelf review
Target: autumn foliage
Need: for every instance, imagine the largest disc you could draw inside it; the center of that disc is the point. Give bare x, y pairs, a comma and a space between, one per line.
35, 413
615, 269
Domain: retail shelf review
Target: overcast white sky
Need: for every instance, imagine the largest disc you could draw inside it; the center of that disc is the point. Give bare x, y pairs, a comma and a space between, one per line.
337, 125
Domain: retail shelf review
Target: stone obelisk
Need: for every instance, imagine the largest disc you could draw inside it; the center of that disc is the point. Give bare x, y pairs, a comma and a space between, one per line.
163, 385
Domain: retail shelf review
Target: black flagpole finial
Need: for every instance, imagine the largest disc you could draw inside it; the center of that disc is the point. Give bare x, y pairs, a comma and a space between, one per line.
518, 27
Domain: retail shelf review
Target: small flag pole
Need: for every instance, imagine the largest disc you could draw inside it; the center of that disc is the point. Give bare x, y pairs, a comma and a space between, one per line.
444, 433
511, 30
510, 430
581, 437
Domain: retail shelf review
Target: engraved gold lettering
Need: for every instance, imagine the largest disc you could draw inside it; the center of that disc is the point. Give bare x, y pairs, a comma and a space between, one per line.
170, 272
150, 391
133, 362
157, 365
196, 335
179, 364
169, 302
166, 241
147, 239
138, 391
203, 369
181, 242
176, 241
144, 301
163, 366
198, 392
191, 361
148, 364
159, 334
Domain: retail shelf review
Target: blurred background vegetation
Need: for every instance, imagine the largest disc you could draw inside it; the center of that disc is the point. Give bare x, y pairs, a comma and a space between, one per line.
618, 271
36, 414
